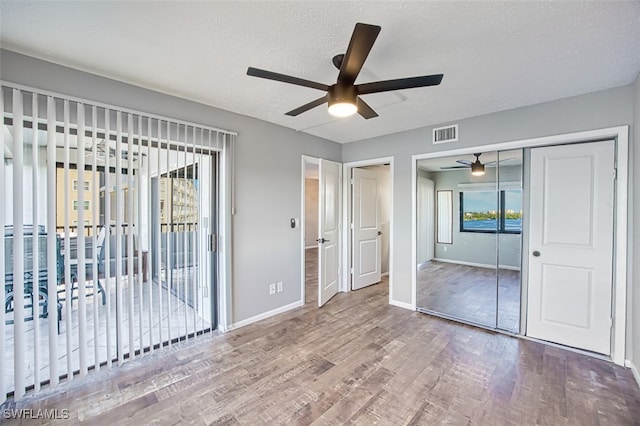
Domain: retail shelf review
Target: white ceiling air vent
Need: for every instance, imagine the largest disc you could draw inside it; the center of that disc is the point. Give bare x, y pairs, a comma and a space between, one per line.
445, 134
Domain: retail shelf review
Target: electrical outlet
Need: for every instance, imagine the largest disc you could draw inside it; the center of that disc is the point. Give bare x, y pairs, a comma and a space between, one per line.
445, 248
280, 287
272, 289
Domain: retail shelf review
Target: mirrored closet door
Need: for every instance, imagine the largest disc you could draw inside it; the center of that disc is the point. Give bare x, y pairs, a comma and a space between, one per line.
469, 224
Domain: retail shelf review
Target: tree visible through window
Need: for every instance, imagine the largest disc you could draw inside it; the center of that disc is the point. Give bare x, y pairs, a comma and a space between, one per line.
491, 211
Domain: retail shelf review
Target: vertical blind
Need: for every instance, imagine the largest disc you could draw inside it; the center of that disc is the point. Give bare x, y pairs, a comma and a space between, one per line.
106, 253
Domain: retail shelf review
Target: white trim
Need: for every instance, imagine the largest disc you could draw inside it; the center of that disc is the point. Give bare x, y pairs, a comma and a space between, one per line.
265, 315
403, 305
621, 135
346, 215
634, 370
310, 247
384, 274
477, 265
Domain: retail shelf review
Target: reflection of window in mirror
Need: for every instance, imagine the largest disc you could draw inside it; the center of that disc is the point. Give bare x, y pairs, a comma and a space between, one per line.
478, 212
444, 202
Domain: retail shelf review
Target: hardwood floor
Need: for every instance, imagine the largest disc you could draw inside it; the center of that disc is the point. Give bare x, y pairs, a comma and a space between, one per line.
357, 360
469, 293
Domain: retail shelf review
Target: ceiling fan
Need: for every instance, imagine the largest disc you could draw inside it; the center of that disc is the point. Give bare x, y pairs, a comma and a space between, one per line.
477, 168
344, 97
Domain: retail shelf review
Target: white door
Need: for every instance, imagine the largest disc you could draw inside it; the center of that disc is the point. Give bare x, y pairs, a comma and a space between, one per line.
367, 241
571, 245
328, 229
426, 220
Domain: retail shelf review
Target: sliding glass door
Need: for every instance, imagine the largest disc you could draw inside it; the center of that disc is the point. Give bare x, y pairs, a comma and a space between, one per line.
109, 236
470, 270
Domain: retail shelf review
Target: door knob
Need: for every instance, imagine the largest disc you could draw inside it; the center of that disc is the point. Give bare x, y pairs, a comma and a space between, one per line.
379, 232
322, 240
536, 253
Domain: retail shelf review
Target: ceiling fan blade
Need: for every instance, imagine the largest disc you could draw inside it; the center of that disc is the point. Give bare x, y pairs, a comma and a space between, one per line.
365, 110
453, 167
307, 107
465, 162
362, 39
399, 84
269, 75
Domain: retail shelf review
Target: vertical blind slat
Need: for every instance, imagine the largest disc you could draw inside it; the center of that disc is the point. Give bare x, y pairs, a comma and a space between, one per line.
108, 232
119, 239
138, 228
52, 241
67, 242
168, 266
185, 213
149, 234
18, 247
3, 266
129, 211
80, 249
94, 232
35, 266
159, 232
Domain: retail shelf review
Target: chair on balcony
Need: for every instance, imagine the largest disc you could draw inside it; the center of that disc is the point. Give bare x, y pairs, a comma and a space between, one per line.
34, 302
102, 261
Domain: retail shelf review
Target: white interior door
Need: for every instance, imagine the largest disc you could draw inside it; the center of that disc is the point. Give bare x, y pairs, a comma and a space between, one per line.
367, 240
328, 229
571, 245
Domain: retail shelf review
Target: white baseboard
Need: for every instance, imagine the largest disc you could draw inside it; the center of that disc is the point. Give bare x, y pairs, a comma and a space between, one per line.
384, 274
311, 247
265, 315
402, 305
634, 370
477, 265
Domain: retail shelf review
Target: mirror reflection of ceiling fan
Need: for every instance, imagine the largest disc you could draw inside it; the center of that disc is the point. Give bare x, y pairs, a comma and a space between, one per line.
477, 167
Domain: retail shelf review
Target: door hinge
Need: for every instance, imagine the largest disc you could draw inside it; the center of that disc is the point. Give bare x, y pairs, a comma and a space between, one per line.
352, 225
615, 174
213, 243
351, 271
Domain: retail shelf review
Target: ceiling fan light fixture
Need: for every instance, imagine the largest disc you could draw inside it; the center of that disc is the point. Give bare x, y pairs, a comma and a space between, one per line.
477, 168
342, 109
343, 100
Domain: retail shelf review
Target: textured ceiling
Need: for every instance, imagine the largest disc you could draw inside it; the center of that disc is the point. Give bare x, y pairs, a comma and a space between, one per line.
494, 55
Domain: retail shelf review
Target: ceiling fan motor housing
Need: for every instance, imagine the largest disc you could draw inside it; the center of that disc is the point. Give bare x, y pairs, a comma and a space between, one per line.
339, 93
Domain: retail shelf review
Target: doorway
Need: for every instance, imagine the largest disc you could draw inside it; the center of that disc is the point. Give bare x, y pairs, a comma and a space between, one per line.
367, 224
311, 199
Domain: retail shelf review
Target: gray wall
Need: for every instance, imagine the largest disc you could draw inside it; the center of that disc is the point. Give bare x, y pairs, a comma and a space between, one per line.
268, 170
613, 107
634, 330
470, 246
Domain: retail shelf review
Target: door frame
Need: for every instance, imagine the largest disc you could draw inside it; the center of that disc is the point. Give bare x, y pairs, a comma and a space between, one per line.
347, 193
620, 135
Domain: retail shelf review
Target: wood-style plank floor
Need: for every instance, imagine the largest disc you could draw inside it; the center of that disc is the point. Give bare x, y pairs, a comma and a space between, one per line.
357, 360
481, 295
